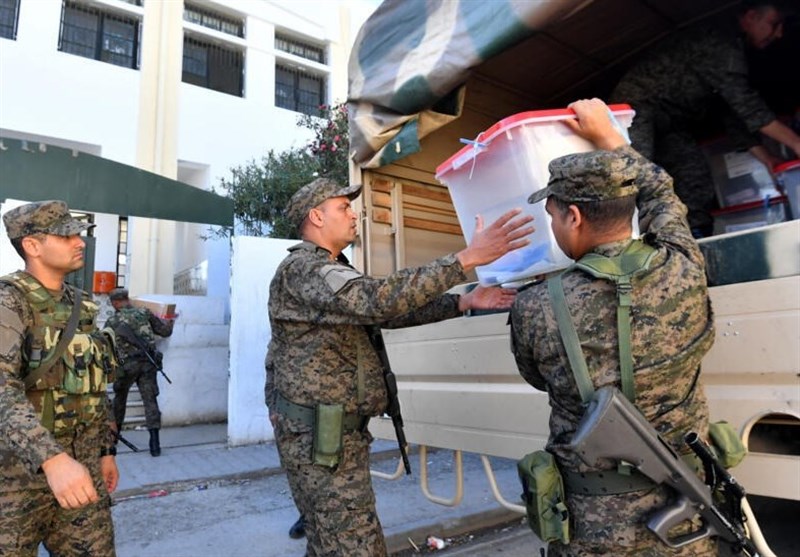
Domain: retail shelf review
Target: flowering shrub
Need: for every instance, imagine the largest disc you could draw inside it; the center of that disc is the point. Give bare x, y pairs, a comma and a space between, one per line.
331, 143
261, 189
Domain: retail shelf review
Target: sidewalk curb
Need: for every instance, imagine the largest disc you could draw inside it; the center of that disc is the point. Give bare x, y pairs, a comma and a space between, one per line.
160, 489
397, 539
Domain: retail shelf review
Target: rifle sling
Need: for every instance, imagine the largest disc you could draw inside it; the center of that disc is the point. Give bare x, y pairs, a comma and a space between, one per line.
66, 336
636, 257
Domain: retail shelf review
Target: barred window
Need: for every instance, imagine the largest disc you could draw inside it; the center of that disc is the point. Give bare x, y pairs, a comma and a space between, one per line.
213, 20
303, 49
299, 90
9, 15
213, 66
100, 35
122, 252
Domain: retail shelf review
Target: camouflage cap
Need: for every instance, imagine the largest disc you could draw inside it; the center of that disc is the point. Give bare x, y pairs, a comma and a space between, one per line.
314, 193
42, 217
118, 294
592, 176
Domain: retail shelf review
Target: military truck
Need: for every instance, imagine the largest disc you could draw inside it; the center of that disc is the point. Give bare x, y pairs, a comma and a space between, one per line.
424, 76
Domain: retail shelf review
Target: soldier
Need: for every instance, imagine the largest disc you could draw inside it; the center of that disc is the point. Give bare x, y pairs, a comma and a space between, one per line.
136, 329
591, 198
57, 463
321, 363
674, 87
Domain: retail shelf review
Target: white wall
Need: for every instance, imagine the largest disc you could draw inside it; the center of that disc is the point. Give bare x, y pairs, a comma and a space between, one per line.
254, 262
196, 360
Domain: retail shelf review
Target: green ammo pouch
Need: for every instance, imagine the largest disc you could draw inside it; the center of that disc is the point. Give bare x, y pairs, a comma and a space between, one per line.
543, 494
728, 447
328, 434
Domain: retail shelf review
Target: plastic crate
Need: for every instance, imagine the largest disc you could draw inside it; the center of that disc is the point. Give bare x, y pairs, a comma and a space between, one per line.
506, 164
750, 215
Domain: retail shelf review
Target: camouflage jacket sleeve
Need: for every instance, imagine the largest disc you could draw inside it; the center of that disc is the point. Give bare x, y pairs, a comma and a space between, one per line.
21, 433
161, 327
724, 67
338, 294
524, 316
662, 215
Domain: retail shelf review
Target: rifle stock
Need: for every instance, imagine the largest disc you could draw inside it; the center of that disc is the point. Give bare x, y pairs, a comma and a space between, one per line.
613, 428
393, 408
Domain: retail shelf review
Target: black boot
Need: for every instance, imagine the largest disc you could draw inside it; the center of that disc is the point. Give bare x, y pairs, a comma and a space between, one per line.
298, 529
155, 446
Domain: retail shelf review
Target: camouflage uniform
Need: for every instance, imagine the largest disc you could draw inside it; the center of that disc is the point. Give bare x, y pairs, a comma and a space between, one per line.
29, 513
136, 368
672, 328
320, 353
673, 89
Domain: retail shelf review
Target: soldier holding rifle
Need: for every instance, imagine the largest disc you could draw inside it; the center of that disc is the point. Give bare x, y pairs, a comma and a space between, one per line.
136, 329
325, 378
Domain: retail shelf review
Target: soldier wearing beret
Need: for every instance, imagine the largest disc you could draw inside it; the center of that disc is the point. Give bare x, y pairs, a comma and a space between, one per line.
320, 361
591, 198
57, 464
136, 329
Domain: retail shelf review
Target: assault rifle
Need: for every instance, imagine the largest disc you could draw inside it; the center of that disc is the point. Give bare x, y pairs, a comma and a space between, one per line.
125, 442
613, 428
393, 409
126, 332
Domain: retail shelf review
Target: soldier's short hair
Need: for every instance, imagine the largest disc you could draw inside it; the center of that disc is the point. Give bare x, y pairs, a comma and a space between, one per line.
118, 294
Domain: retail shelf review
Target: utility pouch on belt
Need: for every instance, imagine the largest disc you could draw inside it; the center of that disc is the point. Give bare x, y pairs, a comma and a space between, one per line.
543, 493
729, 449
328, 434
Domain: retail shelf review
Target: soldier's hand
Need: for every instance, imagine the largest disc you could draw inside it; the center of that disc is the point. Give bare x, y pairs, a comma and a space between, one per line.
488, 244
482, 297
109, 471
70, 481
594, 124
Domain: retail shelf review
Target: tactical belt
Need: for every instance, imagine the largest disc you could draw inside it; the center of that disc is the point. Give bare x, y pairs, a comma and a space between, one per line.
607, 482
305, 415
612, 482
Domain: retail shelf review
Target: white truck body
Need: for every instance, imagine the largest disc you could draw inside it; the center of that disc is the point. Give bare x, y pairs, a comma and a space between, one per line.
459, 386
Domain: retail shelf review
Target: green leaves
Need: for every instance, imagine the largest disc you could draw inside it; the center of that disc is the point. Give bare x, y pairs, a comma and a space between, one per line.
261, 189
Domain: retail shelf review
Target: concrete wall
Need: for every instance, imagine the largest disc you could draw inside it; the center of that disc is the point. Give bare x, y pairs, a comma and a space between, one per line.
195, 359
254, 262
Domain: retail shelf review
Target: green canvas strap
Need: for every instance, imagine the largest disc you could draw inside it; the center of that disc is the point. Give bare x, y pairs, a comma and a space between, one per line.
569, 336
636, 257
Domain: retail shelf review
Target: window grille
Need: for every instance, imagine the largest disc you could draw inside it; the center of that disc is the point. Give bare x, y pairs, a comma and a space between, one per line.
213, 66
100, 35
9, 16
299, 90
303, 49
213, 20
122, 251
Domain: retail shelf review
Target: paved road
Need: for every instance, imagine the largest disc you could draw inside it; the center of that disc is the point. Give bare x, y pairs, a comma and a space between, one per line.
777, 518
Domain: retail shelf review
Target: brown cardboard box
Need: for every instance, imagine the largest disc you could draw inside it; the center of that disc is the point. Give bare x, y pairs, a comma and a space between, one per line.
160, 309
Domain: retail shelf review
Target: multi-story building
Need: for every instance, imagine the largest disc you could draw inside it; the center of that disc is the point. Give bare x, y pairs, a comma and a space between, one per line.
185, 90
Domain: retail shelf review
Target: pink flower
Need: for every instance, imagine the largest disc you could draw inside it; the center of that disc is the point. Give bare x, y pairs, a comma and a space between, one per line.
333, 147
336, 138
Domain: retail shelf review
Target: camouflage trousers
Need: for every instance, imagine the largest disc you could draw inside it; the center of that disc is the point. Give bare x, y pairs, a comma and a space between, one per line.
338, 504
146, 378
616, 525
30, 514
676, 151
